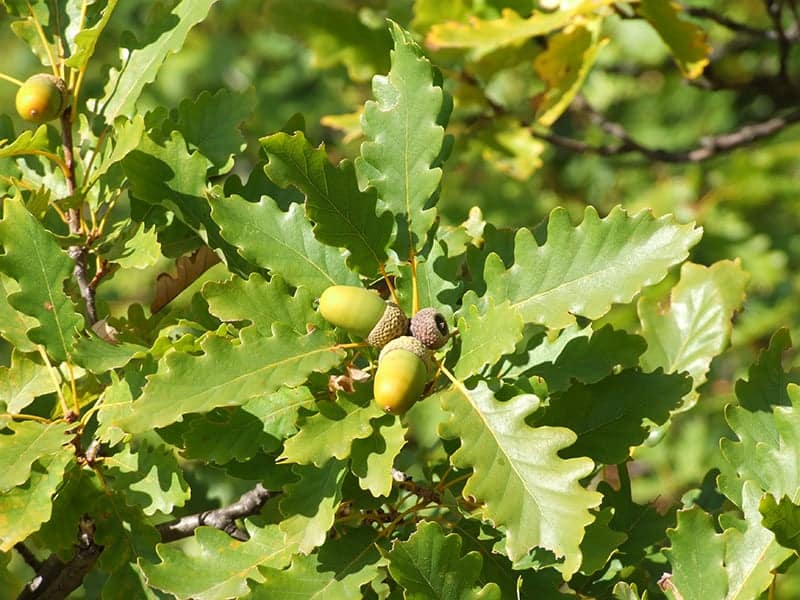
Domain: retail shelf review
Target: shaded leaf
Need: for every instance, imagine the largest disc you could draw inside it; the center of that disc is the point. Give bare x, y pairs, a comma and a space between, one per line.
600, 542
486, 335
429, 565
86, 39
583, 270
404, 127
343, 215
372, 458
609, 416
517, 473
783, 519
282, 242
309, 505
34, 259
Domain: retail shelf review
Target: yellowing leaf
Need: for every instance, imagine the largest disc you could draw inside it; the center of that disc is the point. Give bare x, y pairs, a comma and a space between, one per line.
686, 40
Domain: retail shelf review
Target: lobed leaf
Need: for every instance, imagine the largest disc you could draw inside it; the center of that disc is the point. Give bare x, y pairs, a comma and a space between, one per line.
140, 65
28, 142
220, 567
429, 565
339, 570
404, 127
26, 507
517, 475
583, 270
33, 258
686, 40
27, 442
331, 431
611, 416
282, 242
14, 325
696, 325
23, 381
486, 335
343, 215
783, 519
372, 458
228, 374
86, 39
309, 505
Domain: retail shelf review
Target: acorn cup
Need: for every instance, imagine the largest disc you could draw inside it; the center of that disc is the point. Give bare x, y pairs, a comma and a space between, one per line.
41, 98
363, 313
430, 327
404, 367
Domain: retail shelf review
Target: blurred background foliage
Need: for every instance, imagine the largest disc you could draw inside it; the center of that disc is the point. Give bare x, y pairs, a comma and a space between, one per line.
317, 57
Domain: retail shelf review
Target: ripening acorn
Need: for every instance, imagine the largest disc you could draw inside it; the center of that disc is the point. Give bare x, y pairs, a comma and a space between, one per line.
41, 98
404, 367
363, 313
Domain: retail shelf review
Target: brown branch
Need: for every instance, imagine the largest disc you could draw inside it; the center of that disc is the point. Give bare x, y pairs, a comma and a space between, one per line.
77, 253
700, 12
775, 11
249, 503
55, 579
28, 556
708, 147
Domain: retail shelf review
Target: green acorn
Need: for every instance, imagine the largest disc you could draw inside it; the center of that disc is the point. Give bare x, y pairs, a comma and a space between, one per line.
404, 367
40, 98
363, 313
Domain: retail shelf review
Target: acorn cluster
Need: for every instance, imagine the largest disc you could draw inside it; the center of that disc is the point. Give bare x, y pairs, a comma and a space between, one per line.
405, 363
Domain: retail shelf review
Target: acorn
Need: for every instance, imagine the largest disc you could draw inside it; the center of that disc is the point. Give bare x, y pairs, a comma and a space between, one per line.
41, 98
404, 367
430, 327
363, 313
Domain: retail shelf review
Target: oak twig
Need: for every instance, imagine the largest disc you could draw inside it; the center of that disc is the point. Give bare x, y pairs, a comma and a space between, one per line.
249, 503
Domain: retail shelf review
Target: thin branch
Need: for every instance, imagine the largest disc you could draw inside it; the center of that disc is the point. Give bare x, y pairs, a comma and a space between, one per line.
708, 147
77, 253
28, 556
249, 503
55, 579
775, 11
700, 12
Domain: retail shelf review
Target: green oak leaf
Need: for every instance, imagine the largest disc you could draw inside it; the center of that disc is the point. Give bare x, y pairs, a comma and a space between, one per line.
404, 127
150, 477
33, 258
343, 215
99, 356
26, 507
228, 374
331, 431
127, 137
263, 303
309, 505
14, 324
696, 554
335, 34
601, 542
686, 40
564, 66
625, 591
518, 476
583, 270
429, 566
584, 358
23, 381
372, 458
28, 142
783, 519
86, 39
282, 242
338, 570
164, 174
217, 567
125, 533
609, 416
23, 443
695, 325
239, 433
141, 64
437, 278
485, 335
